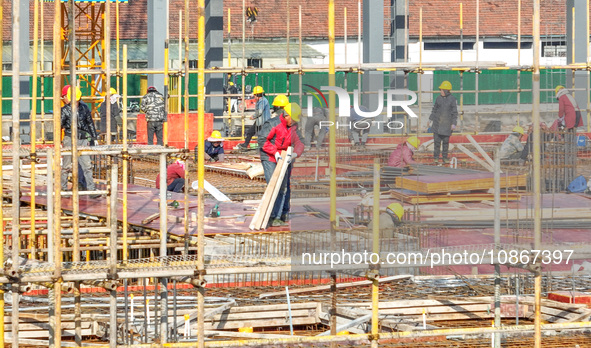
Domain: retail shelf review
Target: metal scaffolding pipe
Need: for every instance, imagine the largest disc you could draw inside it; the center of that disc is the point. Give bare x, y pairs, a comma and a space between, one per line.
332, 166
57, 277
201, 169
2, 303
125, 157
16, 224
537, 169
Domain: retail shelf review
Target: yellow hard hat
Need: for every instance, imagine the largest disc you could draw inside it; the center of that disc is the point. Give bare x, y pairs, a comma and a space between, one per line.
231, 83
294, 111
215, 136
280, 100
558, 88
414, 141
113, 91
396, 209
445, 85
258, 90
519, 130
78, 94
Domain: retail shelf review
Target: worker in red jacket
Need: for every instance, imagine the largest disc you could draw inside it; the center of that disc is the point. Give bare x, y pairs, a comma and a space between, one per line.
402, 156
569, 114
175, 177
279, 134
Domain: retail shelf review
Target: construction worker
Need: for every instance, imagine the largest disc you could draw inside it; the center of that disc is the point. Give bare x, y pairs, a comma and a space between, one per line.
114, 103
443, 120
359, 128
262, 113
569, 114
86, 134
175, 176
512, 146
214, 151
389, 220
528, 148
278, 134
231, 89
318, 115
153, 105
278, 104
403, 154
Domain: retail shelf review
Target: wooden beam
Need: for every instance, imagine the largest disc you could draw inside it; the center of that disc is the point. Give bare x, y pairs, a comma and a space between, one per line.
339, 286
481, 151
476, 158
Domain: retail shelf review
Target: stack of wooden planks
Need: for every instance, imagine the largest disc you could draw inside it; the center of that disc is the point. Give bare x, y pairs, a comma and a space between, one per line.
411, 311
463, 182
415, 198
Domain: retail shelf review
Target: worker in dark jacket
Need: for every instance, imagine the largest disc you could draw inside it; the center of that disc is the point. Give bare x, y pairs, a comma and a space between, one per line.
113, 102
282, 133
87, 135
214, 150
443, 121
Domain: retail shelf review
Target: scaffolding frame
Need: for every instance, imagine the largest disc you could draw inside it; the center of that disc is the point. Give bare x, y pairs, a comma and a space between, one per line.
57, 272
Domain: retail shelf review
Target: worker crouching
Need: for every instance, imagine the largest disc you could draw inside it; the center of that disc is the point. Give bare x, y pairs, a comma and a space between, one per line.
389, 220
214, 151
403, 155
175, 177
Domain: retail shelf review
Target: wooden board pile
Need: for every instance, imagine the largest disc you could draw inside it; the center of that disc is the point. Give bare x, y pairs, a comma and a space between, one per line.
463, 182
410, 312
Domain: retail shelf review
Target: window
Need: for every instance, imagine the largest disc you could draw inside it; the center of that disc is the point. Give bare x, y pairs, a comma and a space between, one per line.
554, 49
448, 45
254, 62
505, 45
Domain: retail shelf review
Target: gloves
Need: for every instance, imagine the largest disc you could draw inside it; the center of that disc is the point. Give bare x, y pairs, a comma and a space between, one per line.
277, 156
291, 157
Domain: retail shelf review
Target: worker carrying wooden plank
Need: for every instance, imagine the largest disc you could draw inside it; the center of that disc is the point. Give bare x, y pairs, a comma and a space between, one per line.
276, 135
402, 156
443, 121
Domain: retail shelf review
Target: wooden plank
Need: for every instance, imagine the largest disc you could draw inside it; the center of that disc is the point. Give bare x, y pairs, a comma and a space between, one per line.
474, 157
259, 215
284, 166
248, 335
481, 151
339, 286
212, 190
259, 323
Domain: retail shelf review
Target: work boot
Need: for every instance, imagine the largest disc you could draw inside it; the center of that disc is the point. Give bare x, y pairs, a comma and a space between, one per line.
240, 147
446, 161
278, 223
436, 161
285, 218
